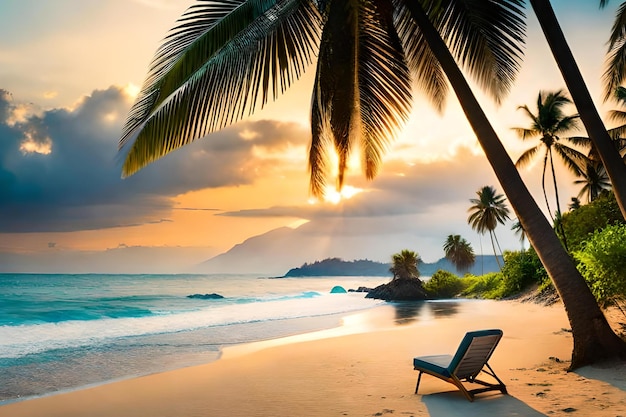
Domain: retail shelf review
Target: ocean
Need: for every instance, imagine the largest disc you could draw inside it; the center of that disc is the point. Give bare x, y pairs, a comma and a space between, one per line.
61, 332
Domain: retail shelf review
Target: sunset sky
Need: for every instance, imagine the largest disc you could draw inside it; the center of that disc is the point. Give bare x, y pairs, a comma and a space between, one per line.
69, 70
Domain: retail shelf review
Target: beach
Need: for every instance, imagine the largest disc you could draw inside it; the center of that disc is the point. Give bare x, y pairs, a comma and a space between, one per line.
364, 368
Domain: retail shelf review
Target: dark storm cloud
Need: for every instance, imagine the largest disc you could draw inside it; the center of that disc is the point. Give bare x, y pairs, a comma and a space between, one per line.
60, 170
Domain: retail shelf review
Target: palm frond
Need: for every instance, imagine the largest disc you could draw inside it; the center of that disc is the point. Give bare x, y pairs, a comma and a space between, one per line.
527, 156
384, 84
582, 141
321, 142
426, 69
574, 161
616, 57
567, 123
487, 37
210, 71
524, 133
530, 114
363, 89
618, 116
336, 92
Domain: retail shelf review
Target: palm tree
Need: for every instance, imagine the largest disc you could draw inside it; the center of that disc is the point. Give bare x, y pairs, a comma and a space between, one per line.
487, 211
404, 265
581, 97
594, 180
574, 203
617, 133
459, 252
211, 69
518, 229
548, 124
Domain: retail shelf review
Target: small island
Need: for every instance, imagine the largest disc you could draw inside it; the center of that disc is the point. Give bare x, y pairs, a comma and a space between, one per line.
337, 267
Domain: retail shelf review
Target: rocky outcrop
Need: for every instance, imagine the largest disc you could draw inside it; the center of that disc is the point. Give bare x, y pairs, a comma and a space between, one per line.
399, 290
360, 289
212, 296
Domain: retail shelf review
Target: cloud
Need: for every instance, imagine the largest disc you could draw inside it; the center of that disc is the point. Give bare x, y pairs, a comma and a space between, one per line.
400, 190
60, 171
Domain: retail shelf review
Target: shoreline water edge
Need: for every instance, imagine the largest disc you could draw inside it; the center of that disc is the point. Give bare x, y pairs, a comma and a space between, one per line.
359, 363
59, 332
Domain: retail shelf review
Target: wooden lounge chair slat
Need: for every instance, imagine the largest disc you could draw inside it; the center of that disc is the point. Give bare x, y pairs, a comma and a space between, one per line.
470, 359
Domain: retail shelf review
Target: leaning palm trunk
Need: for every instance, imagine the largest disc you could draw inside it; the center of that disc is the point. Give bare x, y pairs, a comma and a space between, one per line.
558, 205
614, 165
495, 252
594, 340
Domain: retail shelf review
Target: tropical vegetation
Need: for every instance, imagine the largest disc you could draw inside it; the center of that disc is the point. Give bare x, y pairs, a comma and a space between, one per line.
228, 57
602, 261
580, 223
444, 284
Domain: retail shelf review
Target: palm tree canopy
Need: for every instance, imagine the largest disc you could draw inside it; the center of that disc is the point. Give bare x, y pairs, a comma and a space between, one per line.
226, 58
615, 71
618, 134
549, 123
404, 265
459, 252
594, 180
487, 210
518, 229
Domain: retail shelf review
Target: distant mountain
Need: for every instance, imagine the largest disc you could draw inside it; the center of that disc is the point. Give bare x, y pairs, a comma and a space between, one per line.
483, 265
120, 260
281, 249
339, 267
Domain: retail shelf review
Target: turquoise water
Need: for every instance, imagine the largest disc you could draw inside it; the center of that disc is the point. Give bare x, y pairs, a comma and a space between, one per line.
60, 332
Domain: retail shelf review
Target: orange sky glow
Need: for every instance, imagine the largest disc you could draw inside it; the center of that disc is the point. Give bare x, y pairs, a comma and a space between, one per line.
60, 69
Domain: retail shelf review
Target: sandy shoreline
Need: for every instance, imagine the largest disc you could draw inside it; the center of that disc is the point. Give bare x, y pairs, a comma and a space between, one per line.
365, 369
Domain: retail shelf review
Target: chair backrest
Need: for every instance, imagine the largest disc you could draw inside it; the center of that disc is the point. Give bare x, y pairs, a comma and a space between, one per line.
474, 352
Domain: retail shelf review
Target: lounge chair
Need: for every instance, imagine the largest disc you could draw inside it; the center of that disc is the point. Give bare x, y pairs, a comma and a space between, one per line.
469, 360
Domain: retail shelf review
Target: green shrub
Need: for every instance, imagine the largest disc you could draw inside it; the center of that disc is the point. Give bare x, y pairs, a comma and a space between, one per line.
484, 286
443, 284
580, 223
602, 261
521, 269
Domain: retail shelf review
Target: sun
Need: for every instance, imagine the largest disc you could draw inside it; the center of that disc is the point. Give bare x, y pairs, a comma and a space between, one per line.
331, 195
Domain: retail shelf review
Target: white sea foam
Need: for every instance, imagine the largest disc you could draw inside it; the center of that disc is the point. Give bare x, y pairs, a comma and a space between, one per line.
18, 341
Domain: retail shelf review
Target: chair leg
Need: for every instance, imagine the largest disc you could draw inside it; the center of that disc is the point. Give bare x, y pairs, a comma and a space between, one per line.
419, 377
493, 374
456, 381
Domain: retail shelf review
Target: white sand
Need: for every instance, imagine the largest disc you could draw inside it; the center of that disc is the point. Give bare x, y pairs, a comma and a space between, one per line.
365, 369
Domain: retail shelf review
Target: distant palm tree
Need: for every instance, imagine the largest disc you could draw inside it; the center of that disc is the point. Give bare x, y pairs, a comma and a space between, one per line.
594, 180
404, 265
518, 229
459, 252
574, 204
548, 124
618, 134
487, 211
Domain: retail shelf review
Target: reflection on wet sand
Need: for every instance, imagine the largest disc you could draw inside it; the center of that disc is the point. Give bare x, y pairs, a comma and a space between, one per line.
409, 311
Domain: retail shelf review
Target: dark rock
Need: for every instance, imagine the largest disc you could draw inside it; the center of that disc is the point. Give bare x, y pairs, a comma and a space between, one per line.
212, 296
399, 290
360, 289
